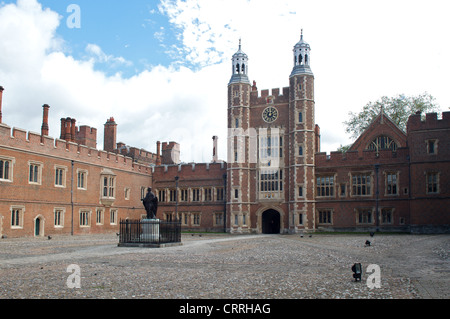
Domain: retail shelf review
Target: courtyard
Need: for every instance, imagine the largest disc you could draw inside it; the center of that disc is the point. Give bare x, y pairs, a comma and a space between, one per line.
224, 266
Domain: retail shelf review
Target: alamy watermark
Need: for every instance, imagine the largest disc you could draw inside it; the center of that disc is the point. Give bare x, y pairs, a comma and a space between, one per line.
74, 19
74, 279
263, 146
374, 279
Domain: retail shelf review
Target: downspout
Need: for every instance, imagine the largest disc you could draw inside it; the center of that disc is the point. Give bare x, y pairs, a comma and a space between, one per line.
71, 199
225, 203
377, 166
176, 197
410, 197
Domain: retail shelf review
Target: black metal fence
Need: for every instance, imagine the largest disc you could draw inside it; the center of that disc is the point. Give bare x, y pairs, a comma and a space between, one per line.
149, 232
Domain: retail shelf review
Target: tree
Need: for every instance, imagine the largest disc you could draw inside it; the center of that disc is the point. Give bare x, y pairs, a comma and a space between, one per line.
344, 148
398, 108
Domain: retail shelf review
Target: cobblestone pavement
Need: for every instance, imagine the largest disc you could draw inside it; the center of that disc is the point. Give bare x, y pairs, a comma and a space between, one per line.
223, 266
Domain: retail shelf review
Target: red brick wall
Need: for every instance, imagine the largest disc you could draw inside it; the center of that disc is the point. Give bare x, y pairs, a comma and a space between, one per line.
429, 210
191, 176
346, 206
40, 200
86, 135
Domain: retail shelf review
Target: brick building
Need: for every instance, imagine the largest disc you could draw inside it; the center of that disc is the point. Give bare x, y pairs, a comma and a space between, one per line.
278, 181
53, 186
275, 179
271, 149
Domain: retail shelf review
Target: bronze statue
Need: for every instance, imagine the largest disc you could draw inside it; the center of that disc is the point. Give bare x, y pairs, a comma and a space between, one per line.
151, 204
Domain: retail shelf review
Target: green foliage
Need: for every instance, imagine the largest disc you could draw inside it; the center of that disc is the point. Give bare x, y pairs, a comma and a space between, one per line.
344, 148
398, 108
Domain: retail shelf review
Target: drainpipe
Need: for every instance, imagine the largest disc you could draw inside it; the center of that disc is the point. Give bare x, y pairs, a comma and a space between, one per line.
377, 166
176, 196
225, 203
409, 191
71, 199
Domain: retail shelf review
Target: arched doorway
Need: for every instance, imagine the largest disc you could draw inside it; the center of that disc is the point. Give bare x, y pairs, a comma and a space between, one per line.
38, 227
271, 222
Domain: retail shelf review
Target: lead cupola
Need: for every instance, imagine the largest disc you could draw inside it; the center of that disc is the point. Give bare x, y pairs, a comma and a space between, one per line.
302, 57
240, 67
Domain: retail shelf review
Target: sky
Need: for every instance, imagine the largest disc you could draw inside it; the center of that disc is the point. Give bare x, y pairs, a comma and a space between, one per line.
161, 68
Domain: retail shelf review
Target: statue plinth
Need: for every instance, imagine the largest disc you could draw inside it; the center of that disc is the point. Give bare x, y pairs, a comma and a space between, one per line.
150, 230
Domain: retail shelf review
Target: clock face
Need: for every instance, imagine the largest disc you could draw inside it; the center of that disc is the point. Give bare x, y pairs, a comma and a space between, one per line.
270, 114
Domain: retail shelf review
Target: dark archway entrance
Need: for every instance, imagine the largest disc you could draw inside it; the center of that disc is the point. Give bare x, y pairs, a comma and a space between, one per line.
271, 222
37, 227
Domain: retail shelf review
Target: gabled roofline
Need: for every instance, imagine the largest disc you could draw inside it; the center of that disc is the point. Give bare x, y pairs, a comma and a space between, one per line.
377, 119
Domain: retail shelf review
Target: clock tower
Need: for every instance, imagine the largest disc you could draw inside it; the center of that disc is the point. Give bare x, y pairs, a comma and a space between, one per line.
302, 138
238, 167
271, 147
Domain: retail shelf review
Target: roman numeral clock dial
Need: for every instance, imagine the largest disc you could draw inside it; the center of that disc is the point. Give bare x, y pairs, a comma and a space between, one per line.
270, 114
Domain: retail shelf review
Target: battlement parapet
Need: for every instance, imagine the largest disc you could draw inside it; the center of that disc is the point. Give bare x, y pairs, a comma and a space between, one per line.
170, 154
20, 139
86, 135
145, 169
34, 137
136, 153
169, 145
86, 130
430, 122
265, 96
190, 169
84, 150
19, 134
143, 153
72, 147
356, 158
48, 141
5, 130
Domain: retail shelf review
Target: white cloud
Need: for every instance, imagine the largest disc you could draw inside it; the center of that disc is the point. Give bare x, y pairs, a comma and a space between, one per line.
359, 53
28, 36
360, 50
159, 104
98, 56
160, 35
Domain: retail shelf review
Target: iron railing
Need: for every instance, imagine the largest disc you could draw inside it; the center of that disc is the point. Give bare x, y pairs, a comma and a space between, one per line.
149, 231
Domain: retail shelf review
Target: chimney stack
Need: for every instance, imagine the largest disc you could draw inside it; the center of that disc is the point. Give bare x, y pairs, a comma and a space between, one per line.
1, 95
215, 156
67, 135
158, 153
317, 139
63, 129
44, 128
73, 130
68, 129
110, 135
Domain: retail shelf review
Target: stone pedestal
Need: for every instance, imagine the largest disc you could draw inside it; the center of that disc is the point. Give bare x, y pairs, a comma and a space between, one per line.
150, 230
